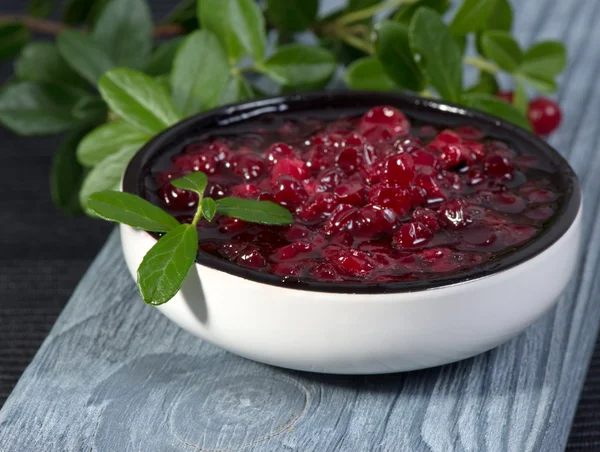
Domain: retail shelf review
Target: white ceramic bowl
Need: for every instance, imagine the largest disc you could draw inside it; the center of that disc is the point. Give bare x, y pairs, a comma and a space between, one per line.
380, 328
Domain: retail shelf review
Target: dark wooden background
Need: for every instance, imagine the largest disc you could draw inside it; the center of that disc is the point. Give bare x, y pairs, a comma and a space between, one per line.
44, 253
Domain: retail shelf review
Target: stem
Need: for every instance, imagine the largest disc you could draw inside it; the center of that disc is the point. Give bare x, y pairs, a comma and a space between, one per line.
198, 214
356, 42
480, 63
51, 27
369, 12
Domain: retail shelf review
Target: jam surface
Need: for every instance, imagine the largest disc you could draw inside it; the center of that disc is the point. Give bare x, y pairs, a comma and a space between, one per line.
376, 197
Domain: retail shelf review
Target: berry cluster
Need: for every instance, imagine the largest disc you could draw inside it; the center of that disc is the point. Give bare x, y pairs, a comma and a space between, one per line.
375, 198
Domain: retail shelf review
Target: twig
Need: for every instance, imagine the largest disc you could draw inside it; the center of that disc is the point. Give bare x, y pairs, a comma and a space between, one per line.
51, 27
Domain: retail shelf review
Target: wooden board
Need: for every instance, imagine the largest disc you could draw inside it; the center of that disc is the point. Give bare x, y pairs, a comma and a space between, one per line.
114, 375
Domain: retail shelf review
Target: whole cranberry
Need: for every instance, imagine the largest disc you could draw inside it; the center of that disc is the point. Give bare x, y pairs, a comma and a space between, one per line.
473, 151
398, 170
330, 178
444, 138
349, 160
319, 158
431, 187
411, 235
177, 199
293, 167
277, 151
451, 155
387, 117
544, 115
427, 217
498, 166
372, 220
289, 192
247, 165
352, 262
317, 207
207, 162
340, 219
350, 193
397, 199
378, 135
506, 96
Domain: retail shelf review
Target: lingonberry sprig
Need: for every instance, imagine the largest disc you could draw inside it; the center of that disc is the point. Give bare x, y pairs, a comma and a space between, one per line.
166, 265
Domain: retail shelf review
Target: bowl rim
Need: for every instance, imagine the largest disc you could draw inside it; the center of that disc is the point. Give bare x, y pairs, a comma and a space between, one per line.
225, 115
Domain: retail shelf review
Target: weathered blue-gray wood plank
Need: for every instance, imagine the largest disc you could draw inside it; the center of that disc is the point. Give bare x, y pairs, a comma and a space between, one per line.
114, 375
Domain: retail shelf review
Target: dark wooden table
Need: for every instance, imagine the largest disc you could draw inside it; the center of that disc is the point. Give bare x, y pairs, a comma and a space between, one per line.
44, 253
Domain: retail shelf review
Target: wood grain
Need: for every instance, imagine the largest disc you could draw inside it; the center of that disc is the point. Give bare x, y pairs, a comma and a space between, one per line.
114, 375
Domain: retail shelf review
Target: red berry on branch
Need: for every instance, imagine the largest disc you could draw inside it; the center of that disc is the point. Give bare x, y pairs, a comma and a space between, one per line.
544, 115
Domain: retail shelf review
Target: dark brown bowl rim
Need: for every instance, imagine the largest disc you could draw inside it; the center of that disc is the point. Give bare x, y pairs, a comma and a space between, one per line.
411, 105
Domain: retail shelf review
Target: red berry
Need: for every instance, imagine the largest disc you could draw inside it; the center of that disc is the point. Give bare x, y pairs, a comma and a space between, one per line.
378, 135
339, 219
231, 225
431, 187
544, 115
412, 235
352, 262
453, 214
291, 252
349, 160
387, 117
398, 170
247, 165
330, 178
177, 199
372, 220
506, 96
292, 167
287, 268
498, 166
317, 207
427, 217
277, 151
325, 272
470, 133
451, 155
246, 191
397, 199
475, 176
350, 193
252, 258
289, 192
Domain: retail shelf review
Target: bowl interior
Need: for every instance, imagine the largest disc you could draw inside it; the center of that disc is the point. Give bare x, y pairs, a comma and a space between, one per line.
331, 105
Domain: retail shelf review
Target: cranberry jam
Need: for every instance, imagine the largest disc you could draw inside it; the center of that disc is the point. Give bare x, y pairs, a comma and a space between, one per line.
377, 196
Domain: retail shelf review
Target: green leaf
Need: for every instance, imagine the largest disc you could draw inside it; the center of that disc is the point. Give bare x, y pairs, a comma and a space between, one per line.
501, 17
501, 47
300, 65
66, 175
395, 54
124, 31
496, 107
471, 16
540, 83
165, 267
487, 83
195, 182
264, 212
131, 210
161, 60
237, 90
544, 59
40, 8
368, 74
13, 37
107, 174
184, 14
108, 139
138, 99
355, 5
83, 11
292, 15
41, 62
239, 25
209, 208
520, 100
83, 54
439, 54
405, 13
31, 108
200, 73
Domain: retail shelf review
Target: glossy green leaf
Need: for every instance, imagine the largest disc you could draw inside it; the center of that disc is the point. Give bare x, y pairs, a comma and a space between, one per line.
165, 267
124, 31
501, 47
496, 107
131, 210
300, 65
31, 108
438, 53
107, 174
13, 37
139, 100
209, 208
292, 15
405, 13
396, 56
520, 100
195, 182
471, 15
368, 74
355, 5
161, 60
239, 25
487, 83
83, 54
40, 8
540, 83
200, 73
544, 59
501, 17
263, 212
66, 175
108, 139
83, 11
238, 89
42, 62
